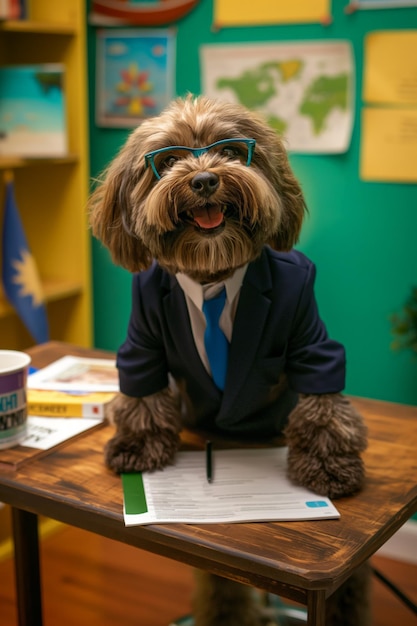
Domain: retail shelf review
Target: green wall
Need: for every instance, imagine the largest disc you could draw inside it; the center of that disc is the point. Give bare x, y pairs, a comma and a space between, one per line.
361, 235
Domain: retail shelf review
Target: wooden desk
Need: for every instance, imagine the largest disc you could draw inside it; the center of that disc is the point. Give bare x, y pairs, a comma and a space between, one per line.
303, 561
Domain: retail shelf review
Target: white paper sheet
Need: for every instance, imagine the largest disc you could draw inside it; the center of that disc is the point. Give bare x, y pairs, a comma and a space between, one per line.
44, 433
247, 485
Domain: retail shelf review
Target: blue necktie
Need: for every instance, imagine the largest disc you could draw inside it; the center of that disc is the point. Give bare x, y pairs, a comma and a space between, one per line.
215, 342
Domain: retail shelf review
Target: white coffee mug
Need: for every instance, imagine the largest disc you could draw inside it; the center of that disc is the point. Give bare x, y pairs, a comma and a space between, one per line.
13, 406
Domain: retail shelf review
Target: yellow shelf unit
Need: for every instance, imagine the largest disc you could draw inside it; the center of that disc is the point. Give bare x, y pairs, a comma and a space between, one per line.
51, 194
29, 26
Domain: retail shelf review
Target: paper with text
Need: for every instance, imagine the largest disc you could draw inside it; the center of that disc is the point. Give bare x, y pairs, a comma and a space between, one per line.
44, 433
390, 74
249, 13
248, 485
389, 145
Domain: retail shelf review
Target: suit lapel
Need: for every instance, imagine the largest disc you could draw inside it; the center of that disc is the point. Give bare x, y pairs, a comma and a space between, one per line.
252, 312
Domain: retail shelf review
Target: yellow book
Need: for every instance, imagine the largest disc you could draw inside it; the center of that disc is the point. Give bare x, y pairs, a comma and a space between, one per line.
61, 404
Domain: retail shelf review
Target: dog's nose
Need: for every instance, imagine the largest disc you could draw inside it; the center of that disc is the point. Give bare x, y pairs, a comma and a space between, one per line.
205, 183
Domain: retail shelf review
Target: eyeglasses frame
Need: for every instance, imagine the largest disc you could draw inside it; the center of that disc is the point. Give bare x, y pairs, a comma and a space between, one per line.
197, 152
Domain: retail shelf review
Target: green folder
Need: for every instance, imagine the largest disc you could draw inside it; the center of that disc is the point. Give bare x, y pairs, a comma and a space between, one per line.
134, 494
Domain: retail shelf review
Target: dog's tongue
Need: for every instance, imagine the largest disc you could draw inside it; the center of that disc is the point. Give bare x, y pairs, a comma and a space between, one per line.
208, 217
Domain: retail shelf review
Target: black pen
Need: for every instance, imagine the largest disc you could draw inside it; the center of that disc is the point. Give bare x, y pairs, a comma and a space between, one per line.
209, 461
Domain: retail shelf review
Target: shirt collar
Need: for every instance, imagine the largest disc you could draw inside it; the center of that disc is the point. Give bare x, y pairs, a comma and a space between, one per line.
195, 291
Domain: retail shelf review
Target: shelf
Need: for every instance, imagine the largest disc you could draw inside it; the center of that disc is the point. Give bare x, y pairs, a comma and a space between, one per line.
52, 191
13, 162
43, 28
53, 290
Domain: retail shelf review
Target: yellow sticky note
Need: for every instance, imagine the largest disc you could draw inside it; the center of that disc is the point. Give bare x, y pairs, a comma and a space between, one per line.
390, 74
389, 145
248, 12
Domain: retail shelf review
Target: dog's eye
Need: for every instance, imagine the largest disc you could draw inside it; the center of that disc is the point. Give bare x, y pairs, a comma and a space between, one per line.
231, 152
170, 161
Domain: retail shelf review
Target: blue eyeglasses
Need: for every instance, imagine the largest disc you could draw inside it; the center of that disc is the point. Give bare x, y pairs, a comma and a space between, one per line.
233, 149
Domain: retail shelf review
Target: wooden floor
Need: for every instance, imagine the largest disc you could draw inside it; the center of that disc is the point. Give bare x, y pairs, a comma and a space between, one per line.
92, 581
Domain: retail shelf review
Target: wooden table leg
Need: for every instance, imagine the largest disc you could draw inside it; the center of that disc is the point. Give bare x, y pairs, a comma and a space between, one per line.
27, 567
316, 608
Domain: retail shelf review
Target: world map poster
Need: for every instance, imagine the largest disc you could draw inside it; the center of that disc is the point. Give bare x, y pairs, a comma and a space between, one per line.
304, 89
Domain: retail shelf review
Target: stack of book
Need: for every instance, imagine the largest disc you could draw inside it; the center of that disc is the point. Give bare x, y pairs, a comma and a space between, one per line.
65, 400
73, 387
62, 404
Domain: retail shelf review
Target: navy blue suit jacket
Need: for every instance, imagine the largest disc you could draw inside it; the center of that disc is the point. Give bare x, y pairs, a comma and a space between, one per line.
277, 330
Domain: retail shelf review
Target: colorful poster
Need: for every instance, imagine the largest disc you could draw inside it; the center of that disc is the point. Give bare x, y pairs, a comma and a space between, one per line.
249, 13
33, 117
304, 89
135, 75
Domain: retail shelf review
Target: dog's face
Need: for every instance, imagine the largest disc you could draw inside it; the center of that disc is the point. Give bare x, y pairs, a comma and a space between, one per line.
205, 210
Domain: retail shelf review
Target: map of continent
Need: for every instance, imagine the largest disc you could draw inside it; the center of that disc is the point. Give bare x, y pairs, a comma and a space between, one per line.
325, 94
255, 87
306, 97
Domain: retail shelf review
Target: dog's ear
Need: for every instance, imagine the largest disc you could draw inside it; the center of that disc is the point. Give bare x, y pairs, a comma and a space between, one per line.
111, 211
293, 211
272, 159
293, 205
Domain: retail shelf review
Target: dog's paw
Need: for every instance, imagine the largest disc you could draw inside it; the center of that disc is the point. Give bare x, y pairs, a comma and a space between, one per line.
147, 451
334, 476
325, 437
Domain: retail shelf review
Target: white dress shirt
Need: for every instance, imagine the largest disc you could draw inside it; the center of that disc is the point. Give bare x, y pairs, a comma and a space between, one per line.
195, 294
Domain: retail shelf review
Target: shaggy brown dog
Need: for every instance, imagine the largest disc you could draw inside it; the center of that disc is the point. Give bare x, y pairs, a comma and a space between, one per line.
205, 191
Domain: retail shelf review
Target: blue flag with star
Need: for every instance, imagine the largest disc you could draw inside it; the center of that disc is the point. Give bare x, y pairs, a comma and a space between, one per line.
21, 281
